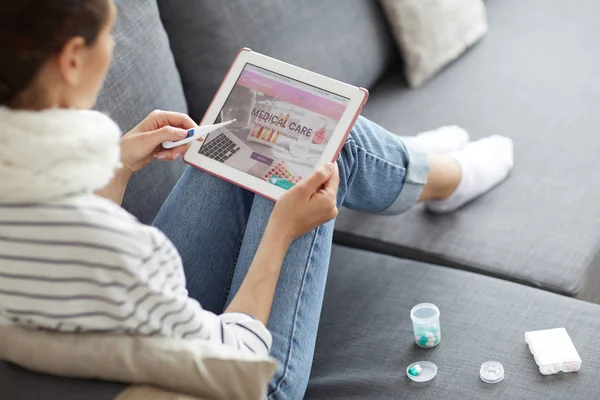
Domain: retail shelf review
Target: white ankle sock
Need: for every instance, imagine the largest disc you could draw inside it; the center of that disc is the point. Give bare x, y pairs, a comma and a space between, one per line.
442, 140
484, 164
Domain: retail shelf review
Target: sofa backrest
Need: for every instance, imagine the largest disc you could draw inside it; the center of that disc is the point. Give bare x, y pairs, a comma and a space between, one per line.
143, 77
344, 39
347, 40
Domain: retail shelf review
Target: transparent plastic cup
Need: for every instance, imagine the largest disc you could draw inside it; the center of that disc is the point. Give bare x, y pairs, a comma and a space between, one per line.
426, 325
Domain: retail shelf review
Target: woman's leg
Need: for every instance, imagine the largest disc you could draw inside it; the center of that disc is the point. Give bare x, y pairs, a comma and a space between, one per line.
205, 218
377, 174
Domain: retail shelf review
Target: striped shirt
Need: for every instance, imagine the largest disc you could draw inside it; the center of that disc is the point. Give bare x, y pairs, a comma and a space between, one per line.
83, 264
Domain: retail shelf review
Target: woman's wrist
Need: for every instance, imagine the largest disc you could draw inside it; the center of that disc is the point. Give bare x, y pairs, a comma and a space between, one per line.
123, 174
120, 180
278, 234
115, 190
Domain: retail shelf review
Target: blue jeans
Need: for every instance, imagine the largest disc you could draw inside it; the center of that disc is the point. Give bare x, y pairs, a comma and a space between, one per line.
217, 227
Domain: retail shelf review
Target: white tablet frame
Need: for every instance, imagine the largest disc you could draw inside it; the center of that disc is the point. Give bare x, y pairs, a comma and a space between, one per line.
358, 97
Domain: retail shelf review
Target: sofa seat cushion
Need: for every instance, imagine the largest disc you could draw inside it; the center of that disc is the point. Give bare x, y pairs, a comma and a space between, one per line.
365, 339
346, 40
22, 384
538, 85
143, 77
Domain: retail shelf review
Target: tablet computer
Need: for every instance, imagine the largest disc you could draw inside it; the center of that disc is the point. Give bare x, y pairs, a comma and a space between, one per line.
287, 122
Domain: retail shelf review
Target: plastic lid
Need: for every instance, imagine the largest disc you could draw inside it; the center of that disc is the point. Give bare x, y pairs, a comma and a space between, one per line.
425, 313
491, 372
426, 371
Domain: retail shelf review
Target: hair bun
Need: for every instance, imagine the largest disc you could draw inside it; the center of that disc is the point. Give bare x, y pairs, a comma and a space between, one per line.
33, 30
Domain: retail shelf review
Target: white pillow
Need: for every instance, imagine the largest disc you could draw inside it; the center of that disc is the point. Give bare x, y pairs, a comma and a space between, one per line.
195, 367
432, 33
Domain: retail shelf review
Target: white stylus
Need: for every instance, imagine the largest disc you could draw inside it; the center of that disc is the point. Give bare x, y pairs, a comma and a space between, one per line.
195, 134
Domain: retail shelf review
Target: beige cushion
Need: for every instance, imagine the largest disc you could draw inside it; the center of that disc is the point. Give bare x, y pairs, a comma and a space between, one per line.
194, 367
432, 33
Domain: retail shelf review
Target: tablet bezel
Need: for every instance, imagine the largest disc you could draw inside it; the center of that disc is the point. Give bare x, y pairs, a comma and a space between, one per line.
357, 96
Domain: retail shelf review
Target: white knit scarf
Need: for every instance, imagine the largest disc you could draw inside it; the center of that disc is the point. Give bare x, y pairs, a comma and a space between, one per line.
48, 154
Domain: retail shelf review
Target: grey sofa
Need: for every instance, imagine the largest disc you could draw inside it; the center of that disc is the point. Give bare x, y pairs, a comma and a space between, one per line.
491, 267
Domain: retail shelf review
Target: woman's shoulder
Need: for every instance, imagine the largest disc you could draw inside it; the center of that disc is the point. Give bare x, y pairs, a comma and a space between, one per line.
85, 221
86, 205
82, 217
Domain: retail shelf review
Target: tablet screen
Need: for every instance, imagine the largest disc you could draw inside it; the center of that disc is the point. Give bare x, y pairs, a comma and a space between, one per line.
281, 130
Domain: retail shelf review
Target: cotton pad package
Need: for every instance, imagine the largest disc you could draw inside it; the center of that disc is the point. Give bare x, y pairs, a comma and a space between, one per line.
553, 351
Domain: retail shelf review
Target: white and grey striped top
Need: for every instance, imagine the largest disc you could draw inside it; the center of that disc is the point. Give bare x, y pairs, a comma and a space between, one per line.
84, 264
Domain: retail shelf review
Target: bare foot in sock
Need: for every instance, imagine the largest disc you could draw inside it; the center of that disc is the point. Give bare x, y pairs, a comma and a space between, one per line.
484, 164
446, 139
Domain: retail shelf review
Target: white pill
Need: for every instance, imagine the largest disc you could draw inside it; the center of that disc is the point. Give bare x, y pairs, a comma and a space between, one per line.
429, 334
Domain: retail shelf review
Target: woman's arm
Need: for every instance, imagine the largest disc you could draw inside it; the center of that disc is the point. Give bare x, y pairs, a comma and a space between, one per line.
116, 188
307, 205
169, 311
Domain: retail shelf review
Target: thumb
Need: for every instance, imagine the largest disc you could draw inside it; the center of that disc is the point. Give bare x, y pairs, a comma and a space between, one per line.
318, 178
165, 133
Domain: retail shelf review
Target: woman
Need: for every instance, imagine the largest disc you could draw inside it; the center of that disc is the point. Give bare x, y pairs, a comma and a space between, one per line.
71, 260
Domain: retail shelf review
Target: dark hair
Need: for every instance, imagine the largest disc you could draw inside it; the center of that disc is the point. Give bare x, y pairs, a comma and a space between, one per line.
33, 30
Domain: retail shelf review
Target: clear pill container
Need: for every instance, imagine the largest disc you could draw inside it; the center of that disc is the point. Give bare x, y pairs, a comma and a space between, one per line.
426, 325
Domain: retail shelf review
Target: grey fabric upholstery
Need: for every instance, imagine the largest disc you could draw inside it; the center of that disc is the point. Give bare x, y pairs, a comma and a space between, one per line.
142, 78
365, 339
346, 40
533, 78
17, 383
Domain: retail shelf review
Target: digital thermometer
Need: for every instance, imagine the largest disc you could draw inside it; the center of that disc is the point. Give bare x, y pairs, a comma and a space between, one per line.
196, 133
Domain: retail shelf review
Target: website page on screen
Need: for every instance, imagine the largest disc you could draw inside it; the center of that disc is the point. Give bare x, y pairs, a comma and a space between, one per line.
281, 127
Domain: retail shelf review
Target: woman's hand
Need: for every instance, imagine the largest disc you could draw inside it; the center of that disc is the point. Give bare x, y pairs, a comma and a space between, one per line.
143, 143
310, 203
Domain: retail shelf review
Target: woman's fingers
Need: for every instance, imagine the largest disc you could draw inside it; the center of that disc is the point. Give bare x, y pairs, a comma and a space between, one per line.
167, 155
332, 185
317, 179
171, 154
170, 133
165, 133
159, 118
153, 140
327, 196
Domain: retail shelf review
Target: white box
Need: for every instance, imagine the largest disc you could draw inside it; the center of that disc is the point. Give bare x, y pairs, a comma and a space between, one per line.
553, 351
